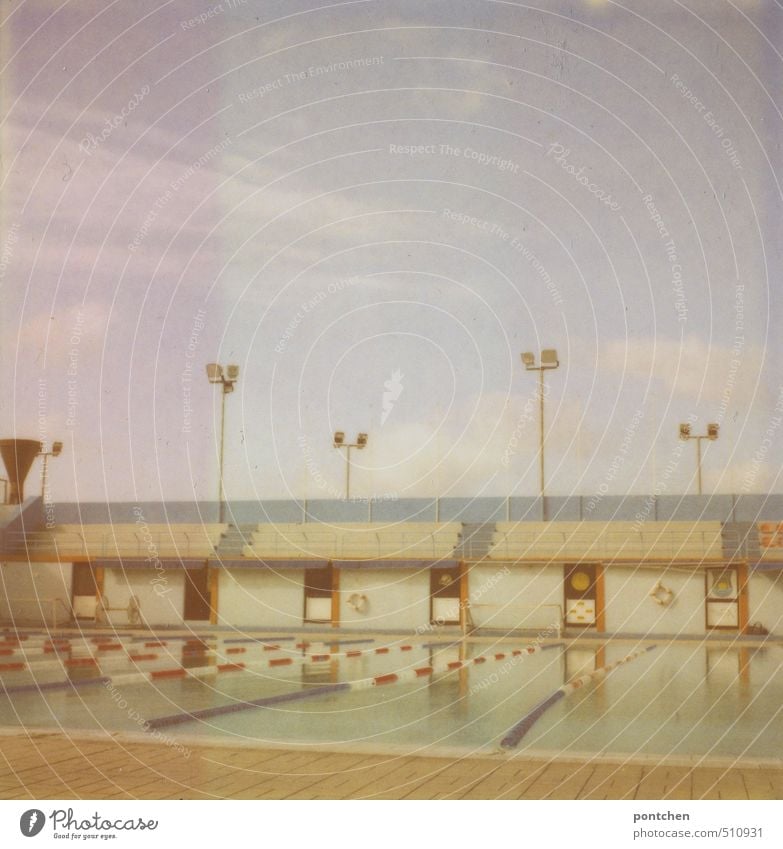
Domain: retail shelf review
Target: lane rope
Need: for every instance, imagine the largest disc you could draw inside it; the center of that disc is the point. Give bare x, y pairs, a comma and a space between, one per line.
515, 734
400, 677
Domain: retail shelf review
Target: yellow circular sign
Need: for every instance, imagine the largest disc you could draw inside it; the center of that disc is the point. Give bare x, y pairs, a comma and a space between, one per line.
580, 581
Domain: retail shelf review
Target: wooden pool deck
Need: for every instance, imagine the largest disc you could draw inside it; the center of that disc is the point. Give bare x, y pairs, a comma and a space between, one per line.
55, 766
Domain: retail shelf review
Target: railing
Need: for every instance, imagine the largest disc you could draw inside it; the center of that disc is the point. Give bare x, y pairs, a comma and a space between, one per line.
132, 610
553, 544
363, 545
40, 602
505, 613
150, 544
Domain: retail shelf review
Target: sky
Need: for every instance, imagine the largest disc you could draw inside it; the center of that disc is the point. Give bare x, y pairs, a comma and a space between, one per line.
373, 208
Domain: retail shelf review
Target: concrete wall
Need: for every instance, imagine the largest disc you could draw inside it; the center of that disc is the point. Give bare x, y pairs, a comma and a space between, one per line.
162, 603
261, 598
20, 582
766, 600
396, 598
511, 596
629, 607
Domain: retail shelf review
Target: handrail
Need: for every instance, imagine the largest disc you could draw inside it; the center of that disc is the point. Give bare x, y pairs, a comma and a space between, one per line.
38, 600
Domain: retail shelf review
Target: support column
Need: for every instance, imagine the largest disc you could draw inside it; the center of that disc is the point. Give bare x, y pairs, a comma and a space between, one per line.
743, 597
465, 619
600, 599
214, 579
335, 598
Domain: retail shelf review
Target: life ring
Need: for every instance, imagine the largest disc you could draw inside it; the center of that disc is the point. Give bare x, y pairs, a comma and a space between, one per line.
358, 602
662, 595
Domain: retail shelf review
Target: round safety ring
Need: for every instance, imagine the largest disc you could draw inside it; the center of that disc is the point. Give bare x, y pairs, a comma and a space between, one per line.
662, 595
358, 602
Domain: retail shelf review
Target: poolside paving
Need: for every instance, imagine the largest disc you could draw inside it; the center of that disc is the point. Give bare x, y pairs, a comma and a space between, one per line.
56, 766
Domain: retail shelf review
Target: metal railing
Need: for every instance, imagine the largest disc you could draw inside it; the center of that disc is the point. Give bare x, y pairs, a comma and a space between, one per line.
508, 619
40, 602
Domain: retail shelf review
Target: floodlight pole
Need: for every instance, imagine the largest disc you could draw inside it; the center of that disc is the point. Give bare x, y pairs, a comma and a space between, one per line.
348, 472
43, 475
361, 442
56, 450
548, 361
227, 379
221, 486
712, 435
541, 435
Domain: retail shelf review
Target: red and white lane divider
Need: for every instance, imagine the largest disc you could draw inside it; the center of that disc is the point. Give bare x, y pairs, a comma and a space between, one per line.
18, 661
517, 732
177, 671
402, 676
408, 675
601, 672
131, 651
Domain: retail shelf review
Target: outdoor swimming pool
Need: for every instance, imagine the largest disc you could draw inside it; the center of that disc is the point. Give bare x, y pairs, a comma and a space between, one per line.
687, 699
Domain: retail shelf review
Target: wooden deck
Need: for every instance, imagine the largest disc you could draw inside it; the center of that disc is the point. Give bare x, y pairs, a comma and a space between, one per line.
57, 767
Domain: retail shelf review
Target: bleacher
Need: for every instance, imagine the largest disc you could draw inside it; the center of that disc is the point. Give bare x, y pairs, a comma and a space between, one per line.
354, 541
607, 541
124, 540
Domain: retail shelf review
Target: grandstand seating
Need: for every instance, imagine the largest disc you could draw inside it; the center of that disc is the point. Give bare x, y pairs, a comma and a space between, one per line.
356, 541
126, 540
607, 541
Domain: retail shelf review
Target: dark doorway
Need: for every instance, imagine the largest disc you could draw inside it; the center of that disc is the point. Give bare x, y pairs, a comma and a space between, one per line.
444, 596
197, 596
318, 594
84, 591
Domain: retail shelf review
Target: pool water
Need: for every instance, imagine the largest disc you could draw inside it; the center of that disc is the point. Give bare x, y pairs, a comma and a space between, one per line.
680, 699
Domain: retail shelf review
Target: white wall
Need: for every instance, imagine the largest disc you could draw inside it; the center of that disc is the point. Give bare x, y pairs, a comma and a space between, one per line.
629, 607
766, 600
510, 598
20, 582
512, 595
161, 595
396, 598
261, 598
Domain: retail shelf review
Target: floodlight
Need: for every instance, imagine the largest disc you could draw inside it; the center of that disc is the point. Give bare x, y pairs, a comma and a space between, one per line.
215, 376
528, 358
214, 372
685, 431
361, 440
549, 358
57, 448
339, 437
712, 430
